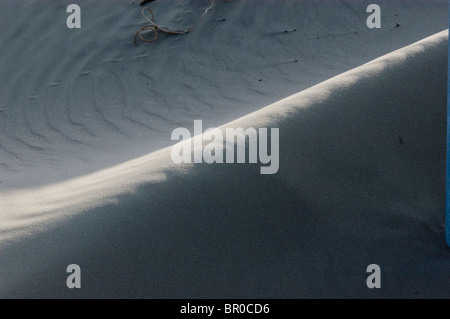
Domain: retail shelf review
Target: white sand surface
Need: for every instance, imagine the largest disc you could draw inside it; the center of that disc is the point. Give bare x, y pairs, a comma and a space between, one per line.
87, 178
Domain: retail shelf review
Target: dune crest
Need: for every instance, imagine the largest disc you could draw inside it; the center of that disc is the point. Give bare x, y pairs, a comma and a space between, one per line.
362, 174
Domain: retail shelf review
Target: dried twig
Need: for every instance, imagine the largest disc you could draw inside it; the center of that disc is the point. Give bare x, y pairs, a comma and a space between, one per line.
153, 27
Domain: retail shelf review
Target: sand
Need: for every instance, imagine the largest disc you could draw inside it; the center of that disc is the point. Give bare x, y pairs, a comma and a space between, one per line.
85, 151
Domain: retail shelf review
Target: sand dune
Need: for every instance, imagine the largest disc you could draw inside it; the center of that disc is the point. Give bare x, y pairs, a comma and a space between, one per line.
77, 101
361, 181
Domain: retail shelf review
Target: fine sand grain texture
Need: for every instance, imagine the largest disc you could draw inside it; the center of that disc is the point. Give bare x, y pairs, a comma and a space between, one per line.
87, 176
74, 101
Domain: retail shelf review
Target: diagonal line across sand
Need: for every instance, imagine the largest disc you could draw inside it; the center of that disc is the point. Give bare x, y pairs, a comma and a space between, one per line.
347, 194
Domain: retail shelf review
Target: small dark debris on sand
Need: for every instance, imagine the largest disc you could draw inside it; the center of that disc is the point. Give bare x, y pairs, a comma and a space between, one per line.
145, 2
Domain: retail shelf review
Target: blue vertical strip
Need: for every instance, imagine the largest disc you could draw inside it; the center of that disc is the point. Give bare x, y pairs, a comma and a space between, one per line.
447, 190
